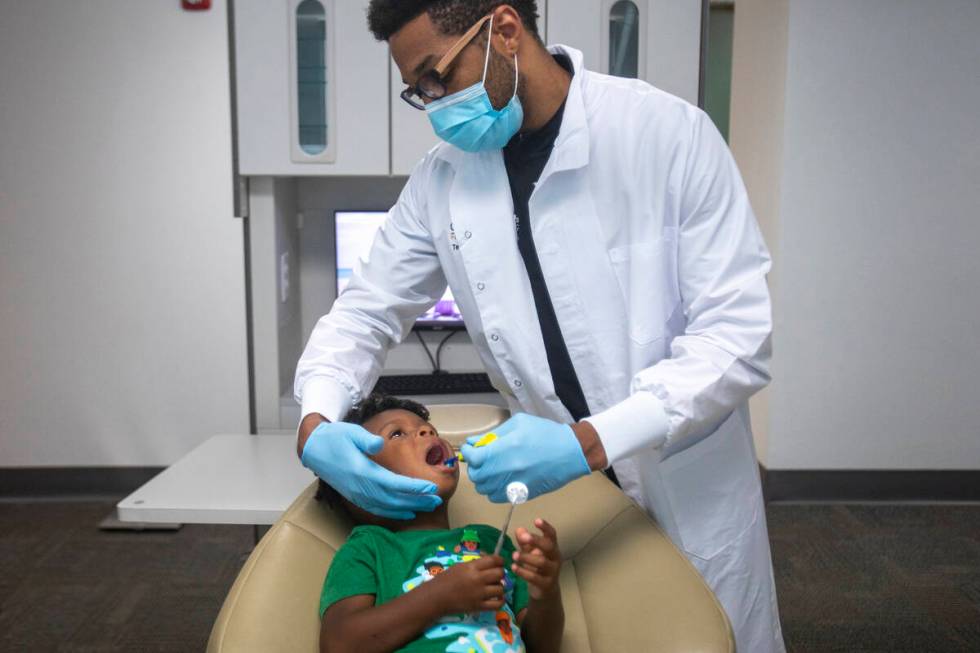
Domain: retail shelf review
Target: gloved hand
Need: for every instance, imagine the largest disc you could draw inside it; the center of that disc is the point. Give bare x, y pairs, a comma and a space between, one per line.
338, 453
541, 453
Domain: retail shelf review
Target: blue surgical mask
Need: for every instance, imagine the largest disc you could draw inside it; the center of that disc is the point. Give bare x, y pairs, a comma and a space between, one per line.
468, 120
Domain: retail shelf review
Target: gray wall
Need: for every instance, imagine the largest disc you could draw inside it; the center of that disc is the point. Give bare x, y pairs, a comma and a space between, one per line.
274, 244
873, 217
122, 331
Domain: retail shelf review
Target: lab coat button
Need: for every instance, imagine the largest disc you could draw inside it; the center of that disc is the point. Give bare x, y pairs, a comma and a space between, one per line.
495, 337
480, 286
517, 383
468, 234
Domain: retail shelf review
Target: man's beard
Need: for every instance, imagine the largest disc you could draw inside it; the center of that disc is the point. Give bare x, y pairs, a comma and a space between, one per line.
500, 80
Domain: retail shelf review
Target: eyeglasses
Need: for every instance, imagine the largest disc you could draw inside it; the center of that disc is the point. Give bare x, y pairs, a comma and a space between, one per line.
430, 85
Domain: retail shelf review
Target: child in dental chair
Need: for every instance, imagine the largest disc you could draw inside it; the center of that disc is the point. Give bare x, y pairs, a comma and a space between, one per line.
419, 585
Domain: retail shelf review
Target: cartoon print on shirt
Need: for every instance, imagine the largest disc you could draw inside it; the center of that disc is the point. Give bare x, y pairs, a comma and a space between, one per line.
484, 632
469, 545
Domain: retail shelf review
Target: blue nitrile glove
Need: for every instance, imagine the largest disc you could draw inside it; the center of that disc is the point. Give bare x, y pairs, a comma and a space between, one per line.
338, 453
542, 454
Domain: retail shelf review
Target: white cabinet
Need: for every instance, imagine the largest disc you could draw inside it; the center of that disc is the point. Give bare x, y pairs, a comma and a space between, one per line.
317, 95
656, 40
411, 133
312, 89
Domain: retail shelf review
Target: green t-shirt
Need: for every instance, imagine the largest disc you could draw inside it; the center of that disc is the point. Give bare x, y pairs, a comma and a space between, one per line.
377, 561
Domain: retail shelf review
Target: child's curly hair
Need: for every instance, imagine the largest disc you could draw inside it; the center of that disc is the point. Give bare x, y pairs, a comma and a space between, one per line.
370, 406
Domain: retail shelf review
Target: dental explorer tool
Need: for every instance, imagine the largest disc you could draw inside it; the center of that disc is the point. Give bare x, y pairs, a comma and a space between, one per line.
516, 493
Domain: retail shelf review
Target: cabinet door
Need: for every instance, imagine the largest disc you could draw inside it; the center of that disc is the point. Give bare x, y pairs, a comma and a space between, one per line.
673, 49
312, 88
411, 133
577, 24
655, 40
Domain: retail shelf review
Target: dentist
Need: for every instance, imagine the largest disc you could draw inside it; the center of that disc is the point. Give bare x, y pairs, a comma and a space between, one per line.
597, 236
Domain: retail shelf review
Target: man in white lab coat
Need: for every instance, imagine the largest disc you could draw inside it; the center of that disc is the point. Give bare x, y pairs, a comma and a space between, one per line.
597, 236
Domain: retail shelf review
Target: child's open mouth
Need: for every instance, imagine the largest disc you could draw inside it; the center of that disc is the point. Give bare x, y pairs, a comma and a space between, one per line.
437, 454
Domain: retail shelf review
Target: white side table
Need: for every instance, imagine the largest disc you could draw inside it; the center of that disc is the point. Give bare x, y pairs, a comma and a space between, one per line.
228, 479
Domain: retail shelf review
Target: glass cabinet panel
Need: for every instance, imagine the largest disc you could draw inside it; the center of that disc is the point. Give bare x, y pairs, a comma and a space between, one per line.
311, 76
624, 39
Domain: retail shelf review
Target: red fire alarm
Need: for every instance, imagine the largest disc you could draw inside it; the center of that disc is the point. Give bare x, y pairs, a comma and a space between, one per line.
195, 5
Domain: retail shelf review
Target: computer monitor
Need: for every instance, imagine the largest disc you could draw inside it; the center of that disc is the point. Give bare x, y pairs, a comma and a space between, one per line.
355, 232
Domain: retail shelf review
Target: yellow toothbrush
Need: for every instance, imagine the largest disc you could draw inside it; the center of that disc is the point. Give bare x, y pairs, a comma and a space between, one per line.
482, 442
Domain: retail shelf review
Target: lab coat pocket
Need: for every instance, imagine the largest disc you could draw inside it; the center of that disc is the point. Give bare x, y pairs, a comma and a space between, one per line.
640, 269
713, 489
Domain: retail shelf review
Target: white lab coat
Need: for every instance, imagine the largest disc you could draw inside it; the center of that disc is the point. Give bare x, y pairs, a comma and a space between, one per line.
657, 271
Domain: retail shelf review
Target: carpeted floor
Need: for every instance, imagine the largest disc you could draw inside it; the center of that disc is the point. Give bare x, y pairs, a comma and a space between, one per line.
66, 586
850, 578
869, 577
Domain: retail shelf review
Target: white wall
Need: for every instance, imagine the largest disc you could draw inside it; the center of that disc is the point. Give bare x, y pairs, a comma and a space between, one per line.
122, 319
756, 139
876, 344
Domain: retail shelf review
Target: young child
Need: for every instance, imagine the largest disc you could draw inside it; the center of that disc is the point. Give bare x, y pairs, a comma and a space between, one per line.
419, 585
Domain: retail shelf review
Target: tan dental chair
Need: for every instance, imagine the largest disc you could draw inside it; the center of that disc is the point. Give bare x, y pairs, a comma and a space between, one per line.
625, 587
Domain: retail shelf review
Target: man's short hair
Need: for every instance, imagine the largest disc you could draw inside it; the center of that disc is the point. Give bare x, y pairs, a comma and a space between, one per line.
373, 404
452, 17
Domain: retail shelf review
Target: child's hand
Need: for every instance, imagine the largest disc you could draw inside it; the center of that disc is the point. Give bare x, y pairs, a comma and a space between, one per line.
474, 586
538, 561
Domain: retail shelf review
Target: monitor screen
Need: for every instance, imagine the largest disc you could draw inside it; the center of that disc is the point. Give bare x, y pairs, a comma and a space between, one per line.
355, 232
